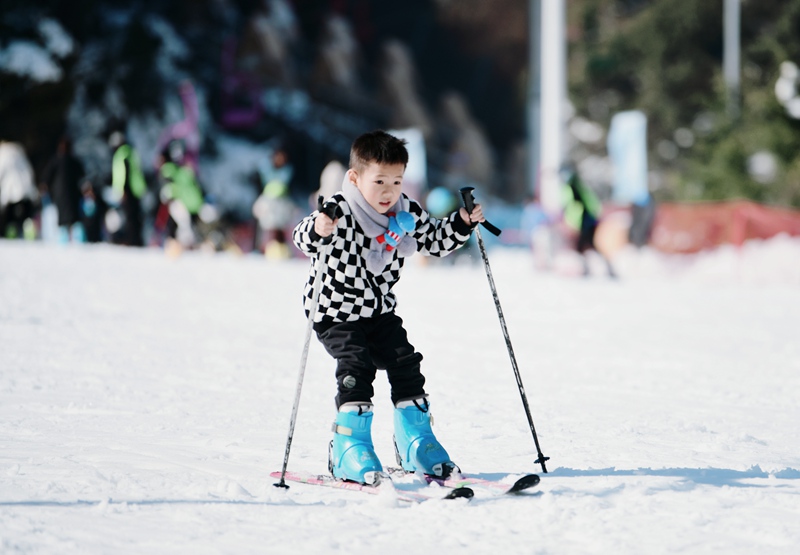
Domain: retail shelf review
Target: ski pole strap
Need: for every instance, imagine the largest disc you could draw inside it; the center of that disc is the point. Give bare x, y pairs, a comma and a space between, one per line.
469, 204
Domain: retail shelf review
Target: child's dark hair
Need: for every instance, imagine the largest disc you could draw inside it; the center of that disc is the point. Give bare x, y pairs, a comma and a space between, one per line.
379, 147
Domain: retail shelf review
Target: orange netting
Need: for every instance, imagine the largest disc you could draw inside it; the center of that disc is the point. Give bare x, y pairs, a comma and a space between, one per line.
687, 228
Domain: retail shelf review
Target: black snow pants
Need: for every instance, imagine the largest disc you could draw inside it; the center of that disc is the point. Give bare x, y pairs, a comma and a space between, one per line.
366, 345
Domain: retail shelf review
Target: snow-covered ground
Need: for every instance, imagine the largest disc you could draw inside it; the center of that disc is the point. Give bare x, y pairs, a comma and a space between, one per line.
145, 400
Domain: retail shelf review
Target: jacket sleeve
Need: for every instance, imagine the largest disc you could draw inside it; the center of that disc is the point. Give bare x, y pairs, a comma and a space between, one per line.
305, 237
438, 237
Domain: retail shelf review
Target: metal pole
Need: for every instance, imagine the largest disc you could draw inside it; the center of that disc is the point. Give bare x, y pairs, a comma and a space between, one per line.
732, 54
534, 92
469, 203
554, 94
321, 268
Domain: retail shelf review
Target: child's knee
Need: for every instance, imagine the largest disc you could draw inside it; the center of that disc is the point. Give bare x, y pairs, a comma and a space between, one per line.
354, 386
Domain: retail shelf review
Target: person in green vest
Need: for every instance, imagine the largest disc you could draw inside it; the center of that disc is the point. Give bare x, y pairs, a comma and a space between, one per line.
182, 194
582, 210
129, 186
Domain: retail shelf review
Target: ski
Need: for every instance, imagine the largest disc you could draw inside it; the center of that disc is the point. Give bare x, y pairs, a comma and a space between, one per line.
460, 481
460, 492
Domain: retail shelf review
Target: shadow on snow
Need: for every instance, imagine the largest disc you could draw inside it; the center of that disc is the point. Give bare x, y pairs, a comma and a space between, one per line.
707, 476
143, 502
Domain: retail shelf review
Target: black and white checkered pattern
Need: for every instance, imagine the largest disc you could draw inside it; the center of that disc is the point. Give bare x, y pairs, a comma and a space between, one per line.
349, 290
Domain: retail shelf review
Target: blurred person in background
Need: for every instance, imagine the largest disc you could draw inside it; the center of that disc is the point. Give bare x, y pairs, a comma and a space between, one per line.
93, 212
330, 181
273, 209
128, 186
536, 227
18, 193
182, 199
643, 213
582, 211
61, 179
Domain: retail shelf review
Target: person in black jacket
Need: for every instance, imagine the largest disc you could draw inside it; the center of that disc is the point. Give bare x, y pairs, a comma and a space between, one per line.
376, 228
62, 179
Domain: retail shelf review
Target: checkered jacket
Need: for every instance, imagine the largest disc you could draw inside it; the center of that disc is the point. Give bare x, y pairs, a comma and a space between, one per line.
350, 291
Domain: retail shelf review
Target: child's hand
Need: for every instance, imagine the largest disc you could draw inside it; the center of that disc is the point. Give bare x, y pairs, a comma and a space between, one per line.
323, 225
472, 219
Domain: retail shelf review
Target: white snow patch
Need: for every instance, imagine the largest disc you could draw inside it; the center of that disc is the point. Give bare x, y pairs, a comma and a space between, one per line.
144, 402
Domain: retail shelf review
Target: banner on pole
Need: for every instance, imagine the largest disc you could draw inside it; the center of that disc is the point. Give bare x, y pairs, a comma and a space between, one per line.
627, 148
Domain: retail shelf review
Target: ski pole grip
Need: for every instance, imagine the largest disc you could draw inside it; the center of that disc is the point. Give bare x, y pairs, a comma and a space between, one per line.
329, 209
469, 204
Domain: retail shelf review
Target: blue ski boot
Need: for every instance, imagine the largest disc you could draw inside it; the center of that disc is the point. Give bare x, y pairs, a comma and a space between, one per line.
352, 455
416, 447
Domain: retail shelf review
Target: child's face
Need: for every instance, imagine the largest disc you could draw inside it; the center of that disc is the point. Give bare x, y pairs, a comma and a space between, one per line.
380, 184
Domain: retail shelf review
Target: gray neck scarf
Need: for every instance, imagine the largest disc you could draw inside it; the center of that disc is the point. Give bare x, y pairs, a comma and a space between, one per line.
374, 225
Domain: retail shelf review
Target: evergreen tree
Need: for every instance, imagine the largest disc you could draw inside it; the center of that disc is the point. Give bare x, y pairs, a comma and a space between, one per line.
664, 57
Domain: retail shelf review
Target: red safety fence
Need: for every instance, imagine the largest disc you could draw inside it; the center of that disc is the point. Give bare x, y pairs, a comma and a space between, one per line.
688, 228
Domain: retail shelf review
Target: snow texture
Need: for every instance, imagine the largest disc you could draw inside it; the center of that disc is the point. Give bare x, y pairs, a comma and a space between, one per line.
30, 60
145, 400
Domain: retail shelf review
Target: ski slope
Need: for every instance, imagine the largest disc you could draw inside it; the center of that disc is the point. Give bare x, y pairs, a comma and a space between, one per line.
145, 400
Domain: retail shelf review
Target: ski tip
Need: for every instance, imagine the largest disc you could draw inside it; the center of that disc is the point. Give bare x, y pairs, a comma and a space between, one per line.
460, 493
526, 482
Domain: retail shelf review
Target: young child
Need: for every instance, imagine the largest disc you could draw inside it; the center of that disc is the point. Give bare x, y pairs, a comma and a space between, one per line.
376, 228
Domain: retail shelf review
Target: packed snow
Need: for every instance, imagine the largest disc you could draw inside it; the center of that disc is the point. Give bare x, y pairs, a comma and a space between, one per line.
144, 401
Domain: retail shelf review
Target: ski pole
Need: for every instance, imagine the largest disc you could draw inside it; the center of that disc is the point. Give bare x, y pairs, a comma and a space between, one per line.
469, 204
319, 270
